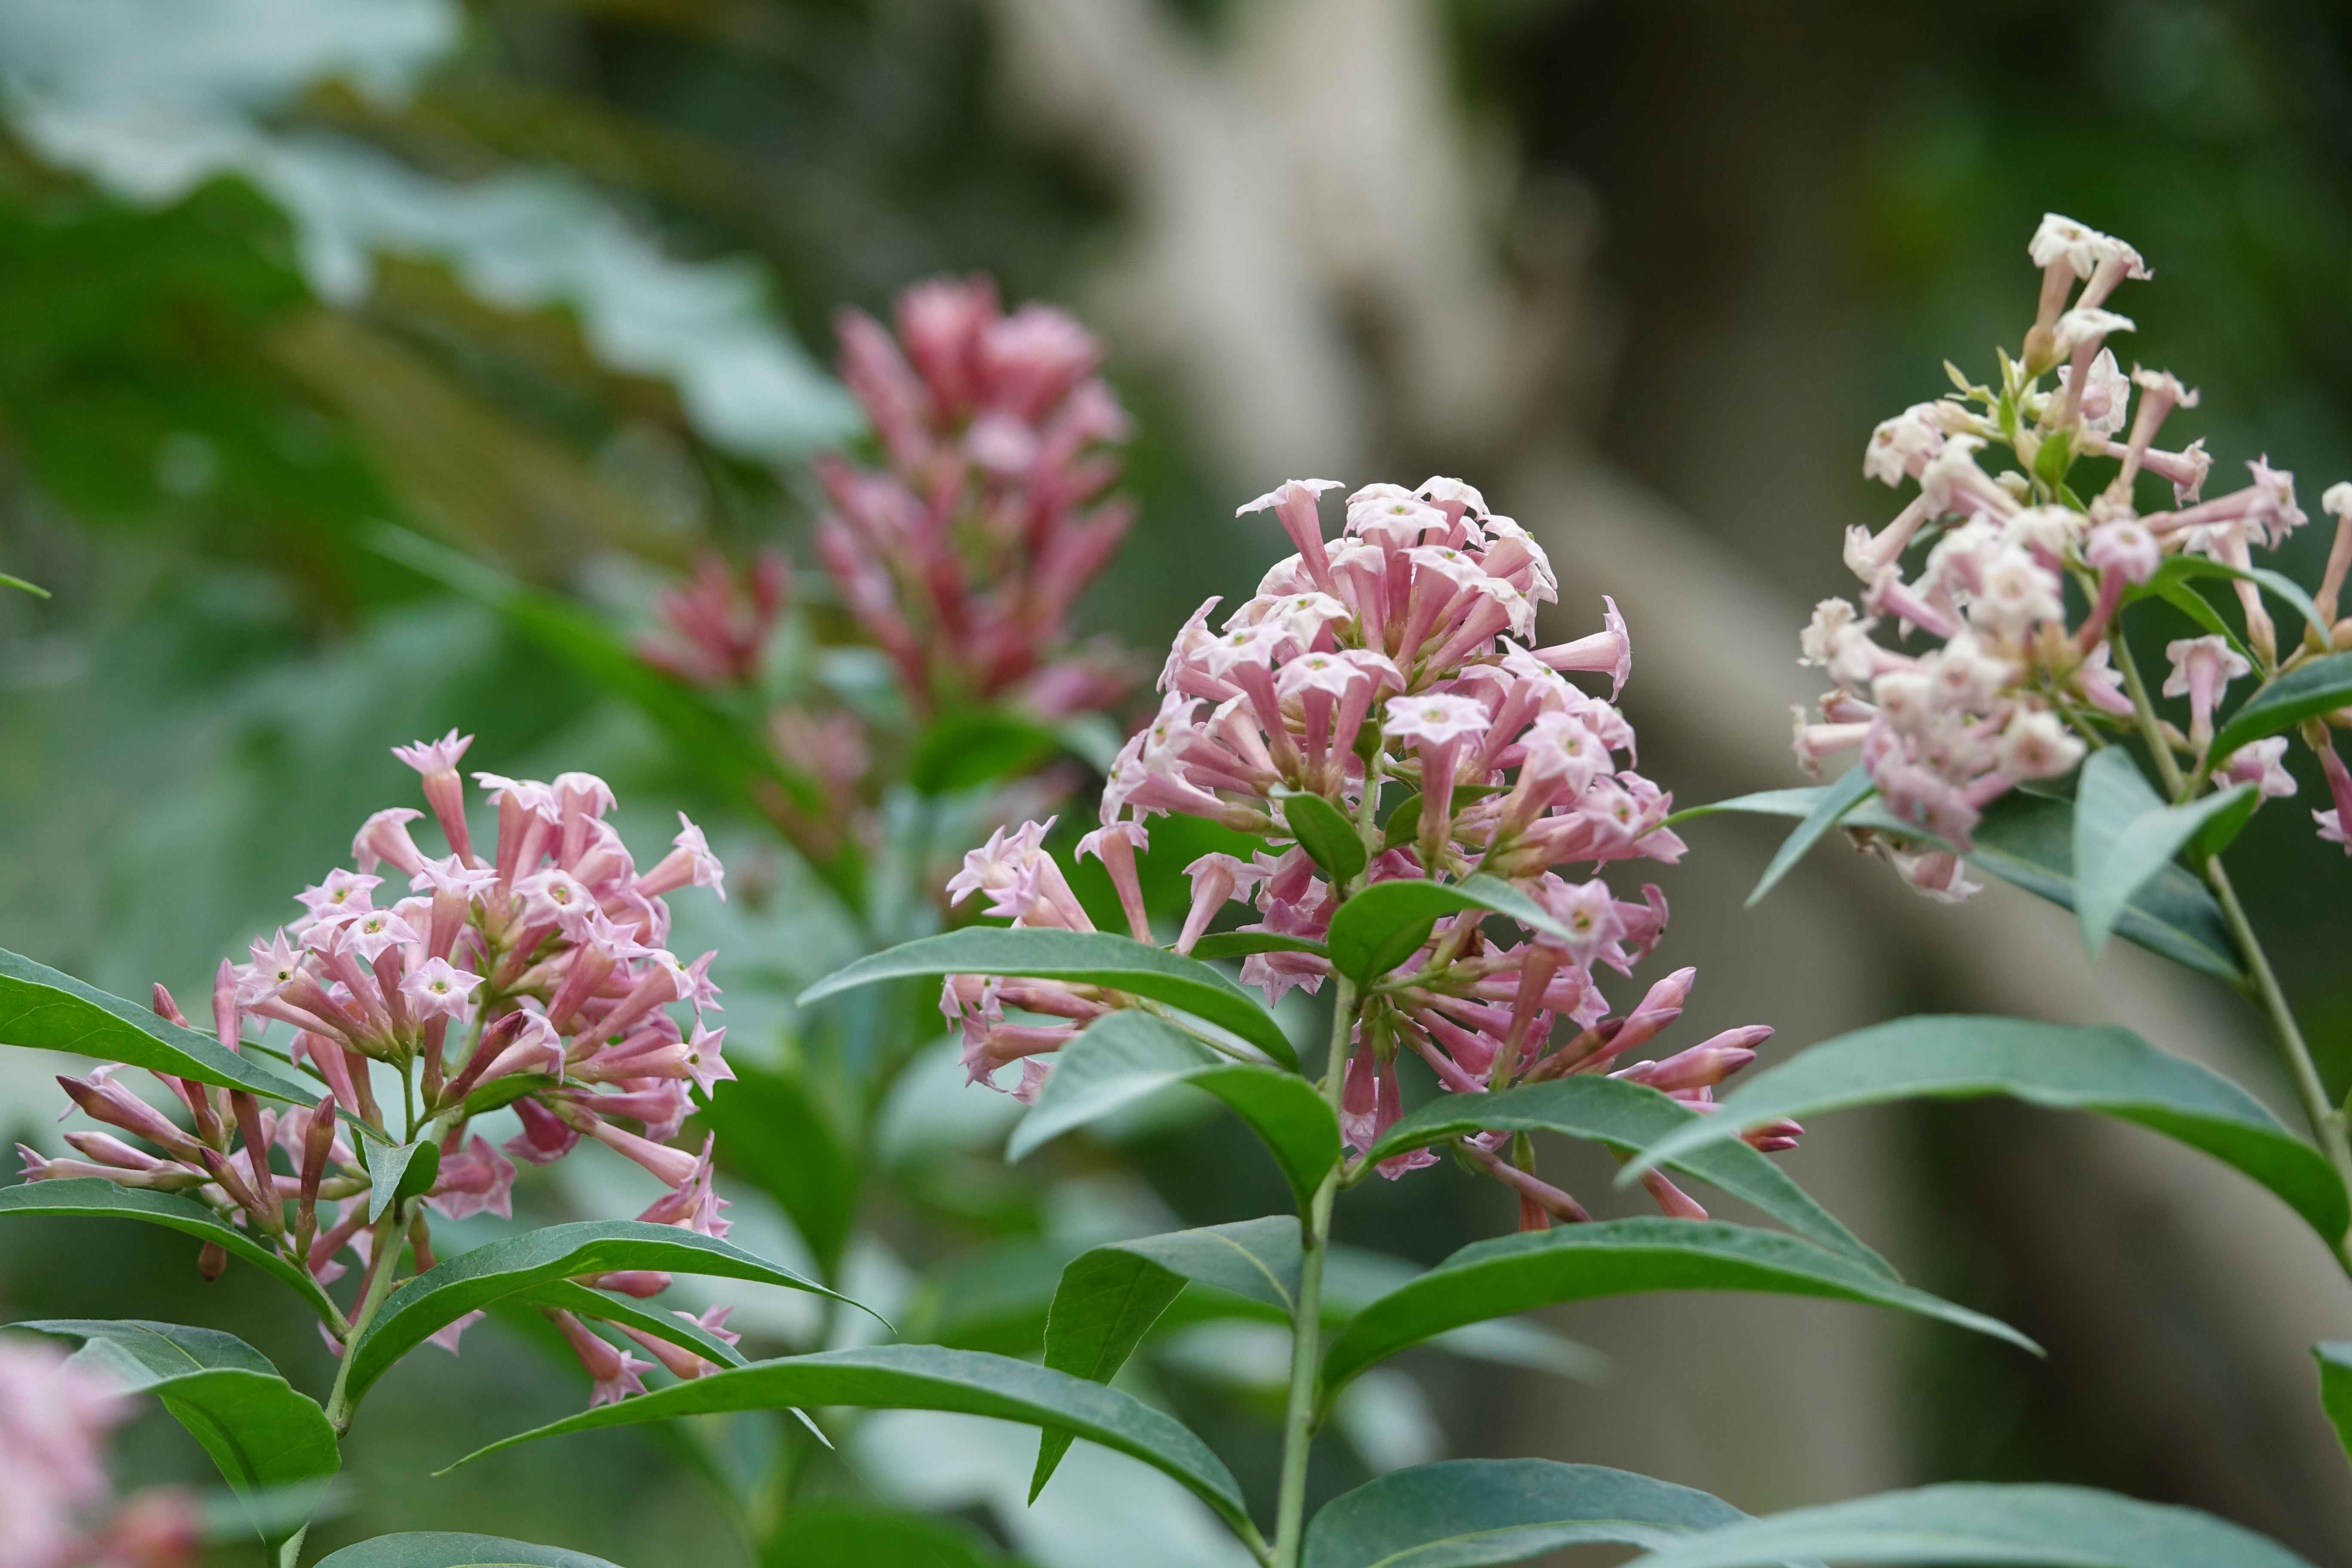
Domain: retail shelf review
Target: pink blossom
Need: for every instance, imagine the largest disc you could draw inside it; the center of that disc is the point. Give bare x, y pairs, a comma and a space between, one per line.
441, 990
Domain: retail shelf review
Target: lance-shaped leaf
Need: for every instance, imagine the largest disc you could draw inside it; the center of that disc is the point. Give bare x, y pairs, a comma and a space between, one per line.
397, 1171
1619, 1257
1835, 801
824, 1536
1111, 1295
2305, 692
2335, 1358
1403, 824
572, 1297
1627, 1117
448, 1548
96, 1198
2056, 1066
929, 1377
48, 1010
2179, 569
1387, 923
2063, 1527
1472, 1513
1353, 1278
1241, 943
2027, 840
471, 1280
1087, 957
265, 1436
2126, 833
1324, 831
1126, 1056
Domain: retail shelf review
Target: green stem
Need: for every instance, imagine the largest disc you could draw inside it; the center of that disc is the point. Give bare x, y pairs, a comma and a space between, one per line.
2166, 767
1307, 1325
2327, 1121
384, 1254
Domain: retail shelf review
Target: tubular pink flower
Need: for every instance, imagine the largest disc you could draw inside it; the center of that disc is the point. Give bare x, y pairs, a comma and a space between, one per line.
1115, 845
437, 989
615, 1372
436, 762
2202, 669
691, 862
1608, 651
1293, 503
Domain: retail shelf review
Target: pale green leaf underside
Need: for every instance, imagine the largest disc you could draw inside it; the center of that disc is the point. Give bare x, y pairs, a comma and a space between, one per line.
2125, 834
1126, 1055
1087, 957
929, 1377
2060, 1526
1475, 1513
2050, 1065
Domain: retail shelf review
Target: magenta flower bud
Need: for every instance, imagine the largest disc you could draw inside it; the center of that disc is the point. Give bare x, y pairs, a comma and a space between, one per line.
102, 1100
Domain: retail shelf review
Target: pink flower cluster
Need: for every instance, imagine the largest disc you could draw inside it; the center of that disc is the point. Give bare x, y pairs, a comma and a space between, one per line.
533, 978
54, 1512
963, 557
1393, 659
2014, 678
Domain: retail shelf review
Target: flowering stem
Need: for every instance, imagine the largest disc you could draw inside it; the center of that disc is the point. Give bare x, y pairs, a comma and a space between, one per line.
2144, 711
384, 1260
2327, 1121
1306, 1329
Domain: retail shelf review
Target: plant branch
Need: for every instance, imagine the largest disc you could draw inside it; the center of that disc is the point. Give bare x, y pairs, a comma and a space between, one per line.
383, 1259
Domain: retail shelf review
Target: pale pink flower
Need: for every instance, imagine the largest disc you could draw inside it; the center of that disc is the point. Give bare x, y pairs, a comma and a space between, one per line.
439, 989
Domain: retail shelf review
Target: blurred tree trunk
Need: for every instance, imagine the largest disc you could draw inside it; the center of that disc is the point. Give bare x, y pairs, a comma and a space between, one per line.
1343, 276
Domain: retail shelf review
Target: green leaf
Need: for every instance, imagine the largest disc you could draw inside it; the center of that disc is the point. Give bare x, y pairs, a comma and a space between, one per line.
1325, 833
927, 1378
451, 1289
2064, 1527
505, 1089
1471, 1513
1618, 1258
572, 1297
2335, 1358
1836, 800
774, 1132
50, 1011
1087, 957
259, 1429
1125, 1055
1111, 1295
2050, 1065
2126, 833
2177, 571
99, 1198
1353, 1278
1387, 922
22, 587
1241, 943
2304, 692
397, 1171
446, 1549
1403, 824
1627, 1117
825, 1536
2028, 840
977, 746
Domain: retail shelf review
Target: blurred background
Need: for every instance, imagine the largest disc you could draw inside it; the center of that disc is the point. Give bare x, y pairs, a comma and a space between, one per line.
551, 282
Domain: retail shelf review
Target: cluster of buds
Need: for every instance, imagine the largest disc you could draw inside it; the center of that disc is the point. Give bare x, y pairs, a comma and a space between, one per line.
2016, 680
958, 558
57, 1508
1393, 659
532, 980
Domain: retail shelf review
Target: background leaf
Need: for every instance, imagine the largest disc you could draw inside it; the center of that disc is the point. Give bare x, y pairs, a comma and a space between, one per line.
1387, 922
99, 1198
2319, 687
455, 1286
2067, 1527
773, 1131
265, 1436
444, 1549
2335, 1358
2126, 833
2057, 1066
1619, 1257
1125, 1056
927, 1378
816, 1536
2178, 570
47, 1010
1089, 958
1325, 833
1110, 1296
1471, 1513
1836, 799
1626, 1117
